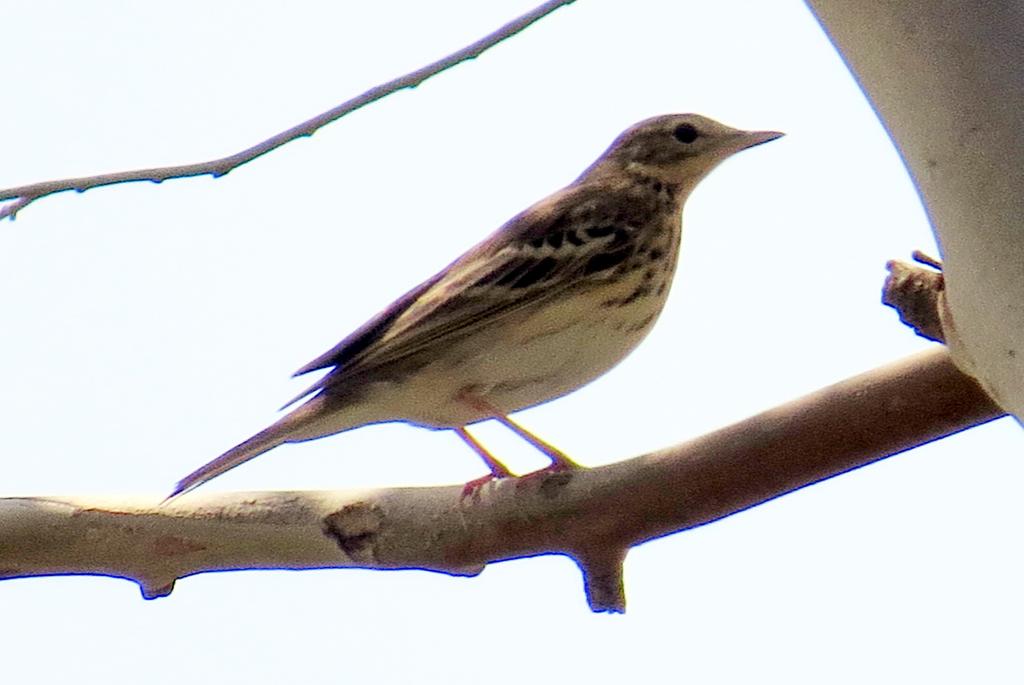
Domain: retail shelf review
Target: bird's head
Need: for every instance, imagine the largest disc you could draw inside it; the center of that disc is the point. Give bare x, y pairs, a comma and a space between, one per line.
677, 148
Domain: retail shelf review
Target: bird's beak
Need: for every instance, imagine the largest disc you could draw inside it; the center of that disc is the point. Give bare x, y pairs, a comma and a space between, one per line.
752, 138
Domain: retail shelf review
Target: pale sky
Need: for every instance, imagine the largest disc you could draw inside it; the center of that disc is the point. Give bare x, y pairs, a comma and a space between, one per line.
150, 327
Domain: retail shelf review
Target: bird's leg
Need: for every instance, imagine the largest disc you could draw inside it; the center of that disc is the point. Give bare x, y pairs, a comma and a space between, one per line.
559, 460
498, 470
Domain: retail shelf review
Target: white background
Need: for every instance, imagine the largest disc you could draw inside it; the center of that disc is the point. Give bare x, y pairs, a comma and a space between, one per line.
146, 328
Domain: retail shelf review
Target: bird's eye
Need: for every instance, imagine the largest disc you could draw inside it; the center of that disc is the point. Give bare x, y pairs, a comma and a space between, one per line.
685, 133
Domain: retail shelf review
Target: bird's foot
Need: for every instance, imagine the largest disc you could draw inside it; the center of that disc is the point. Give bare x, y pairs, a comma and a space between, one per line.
554, 467
472, 488
562, 466
498, 470
560, 462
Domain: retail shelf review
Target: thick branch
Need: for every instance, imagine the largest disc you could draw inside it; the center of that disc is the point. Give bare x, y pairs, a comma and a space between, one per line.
592, 515
23, 195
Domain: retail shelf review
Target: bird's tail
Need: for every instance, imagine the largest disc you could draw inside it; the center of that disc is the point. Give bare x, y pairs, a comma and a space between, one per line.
297, 425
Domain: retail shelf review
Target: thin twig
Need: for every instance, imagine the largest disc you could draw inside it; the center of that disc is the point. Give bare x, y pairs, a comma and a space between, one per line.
926, 259
13, 208
23, 195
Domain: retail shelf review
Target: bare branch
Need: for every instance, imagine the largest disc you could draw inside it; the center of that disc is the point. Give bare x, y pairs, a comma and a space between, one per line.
592, 515
23, 195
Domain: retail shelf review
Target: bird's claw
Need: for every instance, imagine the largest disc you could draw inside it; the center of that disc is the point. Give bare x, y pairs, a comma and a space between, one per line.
472, 488
553, 468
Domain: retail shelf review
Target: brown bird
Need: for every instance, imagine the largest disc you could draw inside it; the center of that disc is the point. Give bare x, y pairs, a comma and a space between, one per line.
547, 303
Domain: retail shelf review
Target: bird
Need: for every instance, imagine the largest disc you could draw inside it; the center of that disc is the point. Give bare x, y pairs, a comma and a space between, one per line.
547, 303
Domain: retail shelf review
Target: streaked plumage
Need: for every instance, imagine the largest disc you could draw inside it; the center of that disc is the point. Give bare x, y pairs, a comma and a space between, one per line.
550, 301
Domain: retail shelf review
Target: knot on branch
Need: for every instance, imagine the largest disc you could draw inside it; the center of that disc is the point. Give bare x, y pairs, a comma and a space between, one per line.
354, 528
154, 589
918, 295
602, 576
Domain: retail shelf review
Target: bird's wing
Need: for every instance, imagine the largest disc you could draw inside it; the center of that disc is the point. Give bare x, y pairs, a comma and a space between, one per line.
369, 332
359, 340
532, 258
